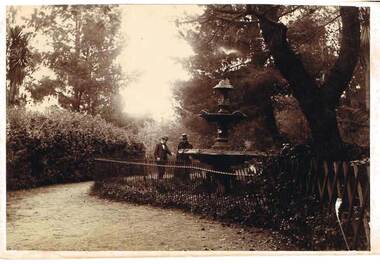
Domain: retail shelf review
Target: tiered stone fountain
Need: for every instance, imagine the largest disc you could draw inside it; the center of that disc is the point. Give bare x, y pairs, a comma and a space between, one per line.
220, 156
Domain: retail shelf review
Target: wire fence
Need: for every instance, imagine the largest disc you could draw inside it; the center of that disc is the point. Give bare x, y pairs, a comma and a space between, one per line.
189, 172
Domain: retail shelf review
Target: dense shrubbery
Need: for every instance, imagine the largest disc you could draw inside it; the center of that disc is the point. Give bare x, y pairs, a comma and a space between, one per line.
59, 146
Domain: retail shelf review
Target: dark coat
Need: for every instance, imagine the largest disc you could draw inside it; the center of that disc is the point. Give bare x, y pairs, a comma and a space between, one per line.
184, 145
161, 152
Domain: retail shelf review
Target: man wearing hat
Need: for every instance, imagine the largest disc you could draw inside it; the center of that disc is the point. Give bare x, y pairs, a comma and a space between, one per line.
182, 159
161, 153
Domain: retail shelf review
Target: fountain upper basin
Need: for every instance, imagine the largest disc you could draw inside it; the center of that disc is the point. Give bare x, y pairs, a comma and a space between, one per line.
222, 117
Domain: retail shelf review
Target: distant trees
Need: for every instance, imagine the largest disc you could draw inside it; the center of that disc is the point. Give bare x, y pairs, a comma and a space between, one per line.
307, 52
85, 42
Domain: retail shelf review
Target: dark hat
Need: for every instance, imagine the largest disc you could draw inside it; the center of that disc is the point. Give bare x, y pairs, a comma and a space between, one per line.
165, 138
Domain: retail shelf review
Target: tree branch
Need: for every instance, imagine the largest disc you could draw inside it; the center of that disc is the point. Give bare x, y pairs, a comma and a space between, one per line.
322, 27
331, 20
228, 16
290, 11
235, 20
232, 12
341, 73
287, 62
231, 17
213, 35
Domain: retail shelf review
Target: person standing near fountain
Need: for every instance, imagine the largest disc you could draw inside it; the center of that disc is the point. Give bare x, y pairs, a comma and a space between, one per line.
183, 160
161, 153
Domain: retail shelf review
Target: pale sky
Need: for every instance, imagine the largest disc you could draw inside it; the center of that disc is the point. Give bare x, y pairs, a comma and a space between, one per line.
151, 47
152, 44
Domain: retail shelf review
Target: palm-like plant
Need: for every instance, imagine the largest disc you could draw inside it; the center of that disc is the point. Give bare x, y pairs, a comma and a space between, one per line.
18, 57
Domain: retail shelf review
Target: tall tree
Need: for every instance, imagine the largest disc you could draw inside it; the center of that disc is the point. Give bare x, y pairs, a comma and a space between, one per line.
315, 65
318, 102
85, 42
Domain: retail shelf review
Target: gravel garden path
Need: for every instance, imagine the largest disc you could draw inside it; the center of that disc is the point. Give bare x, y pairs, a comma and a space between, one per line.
66, 217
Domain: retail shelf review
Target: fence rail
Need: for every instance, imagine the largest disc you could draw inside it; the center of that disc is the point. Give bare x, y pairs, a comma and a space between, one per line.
149, 168
349, 181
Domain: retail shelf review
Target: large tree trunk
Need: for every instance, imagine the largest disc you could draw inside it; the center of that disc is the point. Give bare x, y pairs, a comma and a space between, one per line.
317, 103
270, 122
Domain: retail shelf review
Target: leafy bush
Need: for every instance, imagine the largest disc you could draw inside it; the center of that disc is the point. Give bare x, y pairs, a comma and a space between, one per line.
60, 146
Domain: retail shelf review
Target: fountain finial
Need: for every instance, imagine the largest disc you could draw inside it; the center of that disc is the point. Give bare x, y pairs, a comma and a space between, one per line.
224, 84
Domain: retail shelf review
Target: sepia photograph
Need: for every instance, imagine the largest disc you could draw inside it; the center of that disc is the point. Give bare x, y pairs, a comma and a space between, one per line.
187, 127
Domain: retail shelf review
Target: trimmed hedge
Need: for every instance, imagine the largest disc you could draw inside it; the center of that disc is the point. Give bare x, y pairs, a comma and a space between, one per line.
60, 146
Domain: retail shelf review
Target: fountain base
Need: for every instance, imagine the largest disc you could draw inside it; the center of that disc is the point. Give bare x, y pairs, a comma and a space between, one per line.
220, 160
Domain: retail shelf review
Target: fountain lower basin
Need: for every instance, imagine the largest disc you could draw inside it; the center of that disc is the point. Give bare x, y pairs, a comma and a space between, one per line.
220, 158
